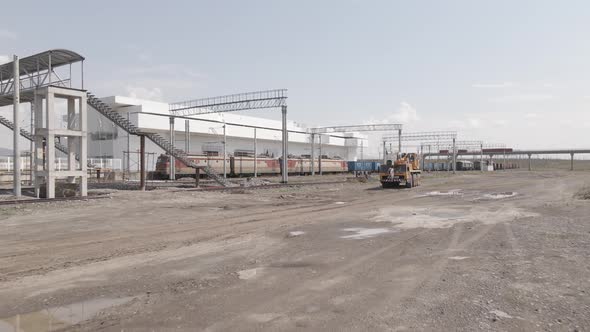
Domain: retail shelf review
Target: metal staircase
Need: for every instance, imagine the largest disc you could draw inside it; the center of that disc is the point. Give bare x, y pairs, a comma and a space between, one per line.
160, 141
28, 135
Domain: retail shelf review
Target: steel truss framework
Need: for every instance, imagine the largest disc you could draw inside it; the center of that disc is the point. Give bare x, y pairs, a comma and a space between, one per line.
423, 136
231, 103
346, 129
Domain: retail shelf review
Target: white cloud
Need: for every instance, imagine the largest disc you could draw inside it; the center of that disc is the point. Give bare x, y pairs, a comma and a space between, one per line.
531, 115
5, 58
7, 34
522, 98
154, 94
494, 85
405, 114
474, 123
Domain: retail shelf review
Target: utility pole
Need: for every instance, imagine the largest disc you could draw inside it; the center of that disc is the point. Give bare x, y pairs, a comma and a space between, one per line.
312, 154
172, 159
285, 169
224, 151
187, 136
399, 141
16, 130
255, 155
454, 157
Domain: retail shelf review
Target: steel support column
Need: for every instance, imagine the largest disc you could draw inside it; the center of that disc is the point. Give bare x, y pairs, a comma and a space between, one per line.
142, 163
171, 157
224, 151
285, 145
187, 136
454, 157
320, 156
255, 154
399, 141
312, 154
16, 130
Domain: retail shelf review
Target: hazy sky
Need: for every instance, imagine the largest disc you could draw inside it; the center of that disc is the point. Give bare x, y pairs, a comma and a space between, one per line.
516, 72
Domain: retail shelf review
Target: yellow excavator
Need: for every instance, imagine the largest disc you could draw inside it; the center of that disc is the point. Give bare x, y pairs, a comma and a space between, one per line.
405, 171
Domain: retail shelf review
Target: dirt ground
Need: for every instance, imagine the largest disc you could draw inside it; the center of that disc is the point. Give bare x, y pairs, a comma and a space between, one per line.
507, 251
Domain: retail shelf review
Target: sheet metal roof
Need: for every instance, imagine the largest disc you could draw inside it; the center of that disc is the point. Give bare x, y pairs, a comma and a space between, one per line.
40, 61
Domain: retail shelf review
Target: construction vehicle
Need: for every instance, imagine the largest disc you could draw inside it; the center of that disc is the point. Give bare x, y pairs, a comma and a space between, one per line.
405, 171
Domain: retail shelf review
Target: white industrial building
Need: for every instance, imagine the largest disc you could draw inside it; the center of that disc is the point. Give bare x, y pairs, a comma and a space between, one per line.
108, 141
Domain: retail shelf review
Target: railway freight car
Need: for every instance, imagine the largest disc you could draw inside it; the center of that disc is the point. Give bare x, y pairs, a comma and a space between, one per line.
244, 166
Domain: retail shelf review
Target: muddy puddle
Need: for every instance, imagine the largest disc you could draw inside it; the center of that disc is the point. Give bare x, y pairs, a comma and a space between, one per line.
56, 318
408, 217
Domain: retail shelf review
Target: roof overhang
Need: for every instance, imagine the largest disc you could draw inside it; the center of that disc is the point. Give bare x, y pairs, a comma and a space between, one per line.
41, 61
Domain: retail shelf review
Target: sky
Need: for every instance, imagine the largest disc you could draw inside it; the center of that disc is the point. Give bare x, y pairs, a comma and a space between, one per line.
503, 71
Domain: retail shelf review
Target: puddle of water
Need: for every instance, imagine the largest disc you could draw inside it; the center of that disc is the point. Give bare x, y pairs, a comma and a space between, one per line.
458, 258
364, 233
249, 274
339, 203
59, 317
454, 192
500, 195
296, 233
407, 217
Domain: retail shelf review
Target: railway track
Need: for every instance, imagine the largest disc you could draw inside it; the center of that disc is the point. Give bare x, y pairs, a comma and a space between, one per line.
49, 200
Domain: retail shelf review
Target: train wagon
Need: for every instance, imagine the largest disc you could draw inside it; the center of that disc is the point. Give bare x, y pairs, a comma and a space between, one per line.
244, 166
162, 171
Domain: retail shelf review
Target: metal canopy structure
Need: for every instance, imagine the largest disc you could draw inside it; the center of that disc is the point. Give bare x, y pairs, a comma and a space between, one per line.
36, 71
423, 136
345, 129
232, 103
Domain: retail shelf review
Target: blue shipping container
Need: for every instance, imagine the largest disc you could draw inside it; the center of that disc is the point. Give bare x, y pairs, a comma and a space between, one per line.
363, 166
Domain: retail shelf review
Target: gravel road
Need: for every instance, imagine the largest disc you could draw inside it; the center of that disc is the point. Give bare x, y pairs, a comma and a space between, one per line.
507, 251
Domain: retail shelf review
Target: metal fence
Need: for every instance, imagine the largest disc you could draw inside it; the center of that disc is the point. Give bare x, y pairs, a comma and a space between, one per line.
61, 164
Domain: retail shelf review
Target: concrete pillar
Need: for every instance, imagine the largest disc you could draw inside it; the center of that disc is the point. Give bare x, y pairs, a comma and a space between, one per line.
285, 145
572, 161
72, 148
142, 184
255, 155
224, 151
312, 154
187, 136
171, 157
320, 156
454, 157
83, 143
31, 144
16, 131
50, 146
